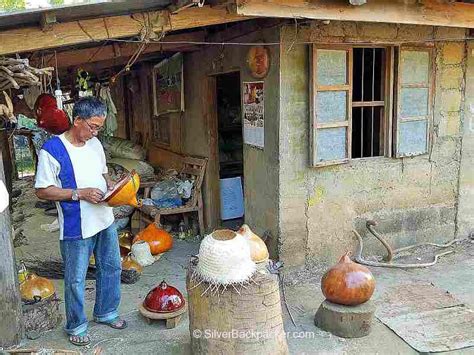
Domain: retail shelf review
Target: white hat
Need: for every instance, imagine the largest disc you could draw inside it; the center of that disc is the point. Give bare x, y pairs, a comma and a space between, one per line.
224, 258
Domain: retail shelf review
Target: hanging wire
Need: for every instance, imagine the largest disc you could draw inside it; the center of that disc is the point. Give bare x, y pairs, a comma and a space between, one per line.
449, 39
295, 42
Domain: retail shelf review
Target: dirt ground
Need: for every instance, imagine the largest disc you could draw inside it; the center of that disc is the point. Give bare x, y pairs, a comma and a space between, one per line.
453, 273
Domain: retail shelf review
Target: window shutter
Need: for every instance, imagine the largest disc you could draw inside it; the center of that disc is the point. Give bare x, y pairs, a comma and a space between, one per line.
331, 101
413, 107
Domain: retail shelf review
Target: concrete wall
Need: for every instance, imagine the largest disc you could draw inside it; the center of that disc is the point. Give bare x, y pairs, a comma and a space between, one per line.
260, 166
465, 217
412, 199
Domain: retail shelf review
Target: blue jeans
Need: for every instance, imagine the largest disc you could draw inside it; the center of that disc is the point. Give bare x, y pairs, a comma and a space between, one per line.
76, 254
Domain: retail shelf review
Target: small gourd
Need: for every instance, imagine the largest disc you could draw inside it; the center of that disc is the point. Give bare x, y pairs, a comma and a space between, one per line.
129, 264
258, 249
36, 287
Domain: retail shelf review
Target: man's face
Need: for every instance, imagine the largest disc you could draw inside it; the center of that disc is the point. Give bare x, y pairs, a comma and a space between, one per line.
88, 128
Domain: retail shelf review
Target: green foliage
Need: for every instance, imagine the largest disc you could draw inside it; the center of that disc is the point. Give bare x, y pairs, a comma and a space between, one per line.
12, 5
15, 5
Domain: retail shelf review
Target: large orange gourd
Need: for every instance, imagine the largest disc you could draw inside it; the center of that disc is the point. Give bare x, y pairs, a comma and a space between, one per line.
158, 239
348, 283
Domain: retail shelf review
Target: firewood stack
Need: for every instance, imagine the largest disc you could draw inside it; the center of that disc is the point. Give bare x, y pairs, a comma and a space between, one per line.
16, 73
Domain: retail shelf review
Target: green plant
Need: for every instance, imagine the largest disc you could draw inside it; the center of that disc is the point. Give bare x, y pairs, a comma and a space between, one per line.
12, 5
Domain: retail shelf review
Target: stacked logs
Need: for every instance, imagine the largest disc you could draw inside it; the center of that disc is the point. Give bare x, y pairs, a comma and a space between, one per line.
16, 72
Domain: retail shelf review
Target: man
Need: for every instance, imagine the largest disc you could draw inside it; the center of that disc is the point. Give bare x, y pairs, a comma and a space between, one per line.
72, 172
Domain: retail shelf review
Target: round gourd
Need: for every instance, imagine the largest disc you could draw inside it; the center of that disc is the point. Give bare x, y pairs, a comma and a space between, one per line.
348, 283
258, 249
158, 239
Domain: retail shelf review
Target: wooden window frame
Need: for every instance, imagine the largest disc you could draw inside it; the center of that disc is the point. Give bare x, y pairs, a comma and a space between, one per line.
430, 87
388, 115
314, 88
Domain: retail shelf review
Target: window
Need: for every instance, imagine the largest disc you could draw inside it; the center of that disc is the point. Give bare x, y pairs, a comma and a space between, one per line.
368, 102
363, 99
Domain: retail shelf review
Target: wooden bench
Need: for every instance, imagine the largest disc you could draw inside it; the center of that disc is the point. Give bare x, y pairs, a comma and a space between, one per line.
193, 169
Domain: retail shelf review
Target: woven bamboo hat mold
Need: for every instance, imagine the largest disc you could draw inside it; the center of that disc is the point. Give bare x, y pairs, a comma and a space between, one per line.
224, 258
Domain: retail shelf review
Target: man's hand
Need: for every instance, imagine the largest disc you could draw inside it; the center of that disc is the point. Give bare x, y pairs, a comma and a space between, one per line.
109, 181
90, 195
110, 185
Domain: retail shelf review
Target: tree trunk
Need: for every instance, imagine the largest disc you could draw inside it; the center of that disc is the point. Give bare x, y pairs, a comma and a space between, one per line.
236, 320
10, 301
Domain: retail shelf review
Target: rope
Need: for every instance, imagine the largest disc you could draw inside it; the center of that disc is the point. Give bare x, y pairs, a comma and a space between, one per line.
359, 259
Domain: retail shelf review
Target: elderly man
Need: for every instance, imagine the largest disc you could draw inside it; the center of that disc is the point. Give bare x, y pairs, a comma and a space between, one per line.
72, 172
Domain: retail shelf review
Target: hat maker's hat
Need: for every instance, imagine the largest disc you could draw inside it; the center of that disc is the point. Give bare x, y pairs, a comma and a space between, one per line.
224, 258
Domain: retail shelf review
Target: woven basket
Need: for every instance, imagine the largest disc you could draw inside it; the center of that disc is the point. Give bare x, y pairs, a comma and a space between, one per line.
224, 258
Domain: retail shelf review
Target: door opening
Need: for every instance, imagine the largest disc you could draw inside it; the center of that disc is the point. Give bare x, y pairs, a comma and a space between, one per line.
230, 142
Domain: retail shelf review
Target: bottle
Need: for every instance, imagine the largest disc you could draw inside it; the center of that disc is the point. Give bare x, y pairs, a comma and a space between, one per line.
22, 272
182, 234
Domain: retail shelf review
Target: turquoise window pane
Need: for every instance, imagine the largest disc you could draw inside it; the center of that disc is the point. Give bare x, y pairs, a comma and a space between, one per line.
331, 67
415, 67
412, 138
331, 144
414, 102
331, 106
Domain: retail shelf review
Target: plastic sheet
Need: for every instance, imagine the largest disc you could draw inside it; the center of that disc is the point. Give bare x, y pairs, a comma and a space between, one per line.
165, 194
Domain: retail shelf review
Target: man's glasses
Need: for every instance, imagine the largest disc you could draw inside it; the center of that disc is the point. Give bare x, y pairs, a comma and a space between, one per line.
94, 128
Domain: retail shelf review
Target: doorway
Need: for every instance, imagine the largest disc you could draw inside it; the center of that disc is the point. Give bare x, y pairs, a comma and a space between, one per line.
230, 149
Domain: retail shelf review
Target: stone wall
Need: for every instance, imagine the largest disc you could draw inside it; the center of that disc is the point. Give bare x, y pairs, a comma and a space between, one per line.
465, 216
412, 199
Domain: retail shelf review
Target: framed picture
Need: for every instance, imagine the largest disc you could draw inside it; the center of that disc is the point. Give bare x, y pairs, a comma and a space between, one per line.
168, 93
253, 113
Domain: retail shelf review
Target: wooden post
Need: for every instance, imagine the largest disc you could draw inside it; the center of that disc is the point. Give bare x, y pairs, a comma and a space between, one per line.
10, 302
236, 320
146, 104
7, 165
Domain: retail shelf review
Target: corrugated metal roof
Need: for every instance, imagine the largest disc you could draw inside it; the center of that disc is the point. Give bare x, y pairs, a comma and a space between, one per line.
78, 9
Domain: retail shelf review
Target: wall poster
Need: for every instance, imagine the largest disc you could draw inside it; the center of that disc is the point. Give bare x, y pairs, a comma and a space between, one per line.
168, 93
253, 113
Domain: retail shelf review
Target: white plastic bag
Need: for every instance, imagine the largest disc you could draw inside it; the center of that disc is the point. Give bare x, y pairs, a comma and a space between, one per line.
185, 188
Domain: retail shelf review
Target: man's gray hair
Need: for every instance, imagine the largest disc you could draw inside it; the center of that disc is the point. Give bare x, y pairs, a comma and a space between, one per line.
88, 107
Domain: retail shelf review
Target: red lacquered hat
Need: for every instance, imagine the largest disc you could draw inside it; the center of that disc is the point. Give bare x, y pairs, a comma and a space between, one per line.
164, 299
